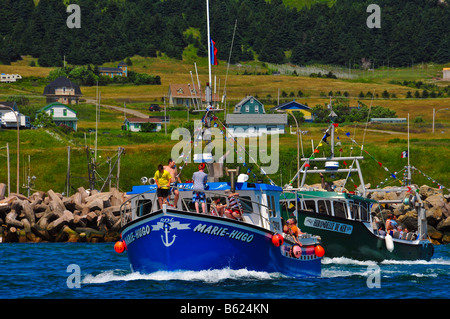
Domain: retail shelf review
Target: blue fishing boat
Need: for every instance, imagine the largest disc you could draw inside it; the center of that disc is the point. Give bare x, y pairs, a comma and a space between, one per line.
165, 238
157, 236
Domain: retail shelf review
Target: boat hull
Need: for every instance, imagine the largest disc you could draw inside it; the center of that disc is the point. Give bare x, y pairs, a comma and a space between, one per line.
177, 240
351, 239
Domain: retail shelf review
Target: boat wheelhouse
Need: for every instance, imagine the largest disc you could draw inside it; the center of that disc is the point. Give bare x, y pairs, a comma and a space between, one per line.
345, 221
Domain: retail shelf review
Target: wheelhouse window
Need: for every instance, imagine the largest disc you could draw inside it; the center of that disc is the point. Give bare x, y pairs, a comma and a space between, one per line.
339, 209
354, 211
309, 205
246, 203
144, 207
364, 211
324, 207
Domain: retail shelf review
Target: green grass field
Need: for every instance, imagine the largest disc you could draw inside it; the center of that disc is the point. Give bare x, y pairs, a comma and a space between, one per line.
144, 151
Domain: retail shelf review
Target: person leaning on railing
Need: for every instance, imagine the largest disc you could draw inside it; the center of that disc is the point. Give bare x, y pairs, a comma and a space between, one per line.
234, 209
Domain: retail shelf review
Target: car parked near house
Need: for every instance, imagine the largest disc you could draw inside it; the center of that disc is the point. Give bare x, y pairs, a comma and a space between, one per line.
154, 108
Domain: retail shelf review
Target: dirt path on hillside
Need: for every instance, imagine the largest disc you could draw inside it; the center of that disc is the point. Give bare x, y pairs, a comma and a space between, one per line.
121, 109
387, 132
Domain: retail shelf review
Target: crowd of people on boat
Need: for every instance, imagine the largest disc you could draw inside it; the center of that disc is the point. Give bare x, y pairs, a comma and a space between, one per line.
167, 177
392, 227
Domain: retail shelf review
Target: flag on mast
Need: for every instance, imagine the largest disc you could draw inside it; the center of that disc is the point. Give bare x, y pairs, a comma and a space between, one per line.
404, 154
213, 53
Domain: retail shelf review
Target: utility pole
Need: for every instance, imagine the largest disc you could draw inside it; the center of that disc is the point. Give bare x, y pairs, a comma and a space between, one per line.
68, 172
9, 168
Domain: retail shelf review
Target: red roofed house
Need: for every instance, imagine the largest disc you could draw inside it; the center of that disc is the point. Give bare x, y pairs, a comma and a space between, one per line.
183, 94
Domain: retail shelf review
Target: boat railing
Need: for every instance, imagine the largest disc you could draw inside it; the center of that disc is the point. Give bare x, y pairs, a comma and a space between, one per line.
125, 218
123, 211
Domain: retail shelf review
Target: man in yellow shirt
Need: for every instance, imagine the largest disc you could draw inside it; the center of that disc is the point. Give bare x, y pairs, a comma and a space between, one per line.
162, 178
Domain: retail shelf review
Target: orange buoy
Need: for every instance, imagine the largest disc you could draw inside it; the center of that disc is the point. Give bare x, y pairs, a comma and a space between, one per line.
277, 240
120, 246
319, 251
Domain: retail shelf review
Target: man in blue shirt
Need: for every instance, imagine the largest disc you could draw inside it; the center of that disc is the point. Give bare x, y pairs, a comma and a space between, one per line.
198, 196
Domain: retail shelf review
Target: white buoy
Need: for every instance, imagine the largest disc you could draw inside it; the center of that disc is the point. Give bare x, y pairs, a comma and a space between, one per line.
389, 243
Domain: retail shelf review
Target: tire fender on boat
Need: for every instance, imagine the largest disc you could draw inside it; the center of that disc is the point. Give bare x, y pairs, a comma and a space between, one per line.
389, 243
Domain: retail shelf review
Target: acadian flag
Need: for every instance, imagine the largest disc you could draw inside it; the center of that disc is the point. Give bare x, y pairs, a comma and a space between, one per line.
213, 53
404, 154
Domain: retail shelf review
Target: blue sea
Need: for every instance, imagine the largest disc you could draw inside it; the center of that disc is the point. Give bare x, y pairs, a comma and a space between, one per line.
96, 271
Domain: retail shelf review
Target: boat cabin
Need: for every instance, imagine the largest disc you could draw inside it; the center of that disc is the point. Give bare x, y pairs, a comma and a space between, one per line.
342, 205
260, 202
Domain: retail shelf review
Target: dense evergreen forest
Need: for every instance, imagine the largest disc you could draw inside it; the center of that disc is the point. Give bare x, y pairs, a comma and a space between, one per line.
412, 31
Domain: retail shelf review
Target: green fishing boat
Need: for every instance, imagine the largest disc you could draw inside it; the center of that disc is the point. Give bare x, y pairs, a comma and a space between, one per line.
344, 220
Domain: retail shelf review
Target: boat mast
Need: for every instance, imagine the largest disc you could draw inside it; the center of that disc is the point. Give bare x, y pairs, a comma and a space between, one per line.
209, 44
409, 165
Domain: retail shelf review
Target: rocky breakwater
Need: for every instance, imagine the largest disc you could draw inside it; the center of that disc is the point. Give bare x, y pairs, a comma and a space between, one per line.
437, 206
50, 217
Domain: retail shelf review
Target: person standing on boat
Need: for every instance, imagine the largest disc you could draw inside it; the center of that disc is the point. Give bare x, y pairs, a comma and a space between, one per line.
172, 169
199, 179
326, 185
162, 179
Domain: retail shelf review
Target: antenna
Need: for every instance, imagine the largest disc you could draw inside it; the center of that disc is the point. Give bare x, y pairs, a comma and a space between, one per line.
409, 165
224, 97
209, 41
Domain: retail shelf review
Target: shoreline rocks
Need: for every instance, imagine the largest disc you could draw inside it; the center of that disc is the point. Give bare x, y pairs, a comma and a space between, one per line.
50, 217
437, 206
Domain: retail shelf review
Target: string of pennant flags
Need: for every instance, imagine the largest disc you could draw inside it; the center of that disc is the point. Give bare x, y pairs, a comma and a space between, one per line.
230, 140
338, 130
429, 178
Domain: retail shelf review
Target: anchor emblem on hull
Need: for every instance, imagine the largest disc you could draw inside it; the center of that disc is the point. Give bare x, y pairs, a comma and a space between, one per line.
167, 226
166, 231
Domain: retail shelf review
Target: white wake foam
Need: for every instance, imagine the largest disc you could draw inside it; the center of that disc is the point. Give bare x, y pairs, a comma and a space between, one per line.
208, 276
347, 261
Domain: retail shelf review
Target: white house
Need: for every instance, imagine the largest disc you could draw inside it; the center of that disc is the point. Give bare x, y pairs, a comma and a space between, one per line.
62, 114
8, 78
135, 124
249, 120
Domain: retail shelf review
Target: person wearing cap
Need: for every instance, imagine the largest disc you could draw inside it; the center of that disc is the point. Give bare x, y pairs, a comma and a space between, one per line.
234, 210
199, 179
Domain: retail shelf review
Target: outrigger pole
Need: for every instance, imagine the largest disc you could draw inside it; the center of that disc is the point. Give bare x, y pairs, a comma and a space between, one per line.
209, 42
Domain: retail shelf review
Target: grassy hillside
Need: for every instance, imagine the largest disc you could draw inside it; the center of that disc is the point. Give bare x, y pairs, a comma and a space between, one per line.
144, 151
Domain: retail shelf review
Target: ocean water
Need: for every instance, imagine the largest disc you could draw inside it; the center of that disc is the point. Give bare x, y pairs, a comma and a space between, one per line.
96, 271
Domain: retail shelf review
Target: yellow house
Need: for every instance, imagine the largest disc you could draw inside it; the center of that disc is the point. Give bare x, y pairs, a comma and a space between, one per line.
296, 107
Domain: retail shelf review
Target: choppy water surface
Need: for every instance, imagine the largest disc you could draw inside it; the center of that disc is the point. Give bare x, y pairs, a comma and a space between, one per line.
43, 271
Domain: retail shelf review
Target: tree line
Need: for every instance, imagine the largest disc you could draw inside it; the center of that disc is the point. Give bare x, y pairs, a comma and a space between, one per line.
327, 32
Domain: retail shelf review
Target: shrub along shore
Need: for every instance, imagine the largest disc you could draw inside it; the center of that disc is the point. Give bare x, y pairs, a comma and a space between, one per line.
51, 217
